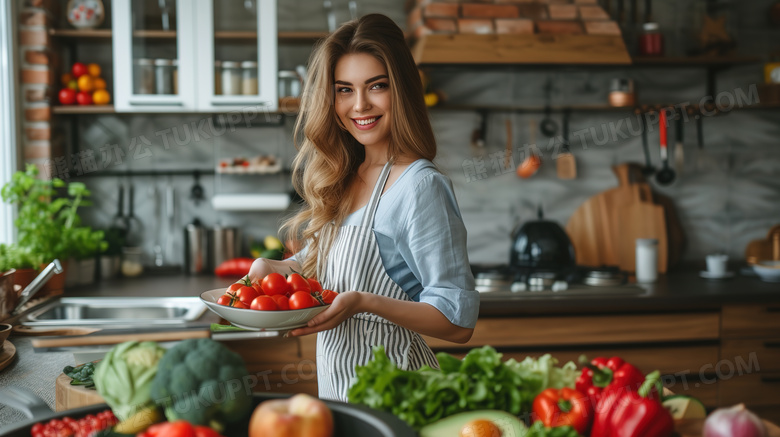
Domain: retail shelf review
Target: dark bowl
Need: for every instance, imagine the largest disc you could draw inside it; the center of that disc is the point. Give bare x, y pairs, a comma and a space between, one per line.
349, 420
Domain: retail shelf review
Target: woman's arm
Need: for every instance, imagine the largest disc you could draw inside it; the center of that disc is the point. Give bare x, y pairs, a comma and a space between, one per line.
416, 316
263, 267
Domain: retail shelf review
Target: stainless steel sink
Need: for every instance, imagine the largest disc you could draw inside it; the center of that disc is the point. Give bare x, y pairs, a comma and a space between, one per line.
134, 311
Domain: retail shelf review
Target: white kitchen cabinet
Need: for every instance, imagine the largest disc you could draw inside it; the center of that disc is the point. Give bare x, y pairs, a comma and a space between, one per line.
168, 55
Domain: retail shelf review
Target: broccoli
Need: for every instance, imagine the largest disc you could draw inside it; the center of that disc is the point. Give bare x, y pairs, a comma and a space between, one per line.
202, 382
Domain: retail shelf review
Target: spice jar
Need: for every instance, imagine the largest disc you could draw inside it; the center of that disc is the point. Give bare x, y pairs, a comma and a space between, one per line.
646, 259
163, 74
249, 78
132, 264
231, 78
289, 84
621, 93
651, 41
143, 76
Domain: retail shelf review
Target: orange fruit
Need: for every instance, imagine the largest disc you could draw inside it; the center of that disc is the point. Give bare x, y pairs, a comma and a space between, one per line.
100, 83
65, 78
101, 97
86, 83
93, 70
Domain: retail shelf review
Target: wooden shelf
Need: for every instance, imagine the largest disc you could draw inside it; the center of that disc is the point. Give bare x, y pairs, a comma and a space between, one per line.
578, 108
81, 33
83, 109
285, 36
694, 61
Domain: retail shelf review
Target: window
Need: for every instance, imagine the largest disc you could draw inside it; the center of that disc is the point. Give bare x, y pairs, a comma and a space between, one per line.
8, 111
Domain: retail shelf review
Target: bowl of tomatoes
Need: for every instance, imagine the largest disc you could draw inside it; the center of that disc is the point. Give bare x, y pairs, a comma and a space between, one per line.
274, 303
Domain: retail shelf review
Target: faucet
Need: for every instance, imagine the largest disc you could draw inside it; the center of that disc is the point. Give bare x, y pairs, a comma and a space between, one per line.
52, 269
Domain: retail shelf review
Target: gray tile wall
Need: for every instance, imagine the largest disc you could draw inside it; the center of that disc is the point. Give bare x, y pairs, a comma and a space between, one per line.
728, 194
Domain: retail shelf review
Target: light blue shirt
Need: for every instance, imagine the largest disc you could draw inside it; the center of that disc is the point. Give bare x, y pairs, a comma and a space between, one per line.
422, 242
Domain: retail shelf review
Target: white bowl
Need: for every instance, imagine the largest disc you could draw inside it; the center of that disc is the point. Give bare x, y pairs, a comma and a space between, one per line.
260, 320
769, 271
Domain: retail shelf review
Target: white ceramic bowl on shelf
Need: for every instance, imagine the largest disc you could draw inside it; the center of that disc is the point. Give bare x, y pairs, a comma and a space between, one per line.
768, 271
260, 320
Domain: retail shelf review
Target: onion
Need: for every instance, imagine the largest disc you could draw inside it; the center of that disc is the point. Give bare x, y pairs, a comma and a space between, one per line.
734, 421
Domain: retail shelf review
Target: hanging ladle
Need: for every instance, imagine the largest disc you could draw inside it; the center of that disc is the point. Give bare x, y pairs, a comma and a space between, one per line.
666, 175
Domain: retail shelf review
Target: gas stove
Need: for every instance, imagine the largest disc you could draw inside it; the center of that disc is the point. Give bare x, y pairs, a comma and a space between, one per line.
499, 281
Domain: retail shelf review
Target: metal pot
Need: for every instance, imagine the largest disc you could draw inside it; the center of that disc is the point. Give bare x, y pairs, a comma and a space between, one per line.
541, 246
349, 420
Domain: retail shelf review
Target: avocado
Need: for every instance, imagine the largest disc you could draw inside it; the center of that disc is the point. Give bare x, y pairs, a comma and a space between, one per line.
685, 407
509, 425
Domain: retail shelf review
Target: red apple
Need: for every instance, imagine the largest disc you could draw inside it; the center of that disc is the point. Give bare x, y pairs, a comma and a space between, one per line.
84, 98
79, 69
299, 416
67, 96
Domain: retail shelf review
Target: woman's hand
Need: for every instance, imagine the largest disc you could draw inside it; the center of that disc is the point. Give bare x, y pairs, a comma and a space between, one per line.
260, 269
344, 306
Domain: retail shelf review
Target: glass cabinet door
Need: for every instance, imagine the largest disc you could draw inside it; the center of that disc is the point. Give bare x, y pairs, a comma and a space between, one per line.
154, 55
237, 55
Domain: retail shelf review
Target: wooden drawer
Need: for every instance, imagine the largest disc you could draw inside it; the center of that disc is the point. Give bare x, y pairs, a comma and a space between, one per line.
752, 389
751, 320
604, 329
277, 365
763, 355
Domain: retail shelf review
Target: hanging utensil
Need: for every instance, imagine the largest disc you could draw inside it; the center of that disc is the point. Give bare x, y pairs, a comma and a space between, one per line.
170, 211
196, 192
532, 161
158, 219
679, 152
566, 165
508, 150
328, 6
548, 126
648, 169
666, 175
135, 228
120, 224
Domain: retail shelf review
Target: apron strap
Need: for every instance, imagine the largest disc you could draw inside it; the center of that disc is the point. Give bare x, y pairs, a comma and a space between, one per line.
370, 211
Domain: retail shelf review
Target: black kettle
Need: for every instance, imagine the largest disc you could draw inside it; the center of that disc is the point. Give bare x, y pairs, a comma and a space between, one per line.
541, 246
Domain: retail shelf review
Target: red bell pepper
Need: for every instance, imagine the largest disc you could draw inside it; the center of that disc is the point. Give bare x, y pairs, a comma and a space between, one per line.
607, 372
234, 267
623, 412
564, 407
179, 428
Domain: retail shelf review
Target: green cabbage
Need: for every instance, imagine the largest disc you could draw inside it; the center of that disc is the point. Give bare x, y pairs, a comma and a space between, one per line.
124, 377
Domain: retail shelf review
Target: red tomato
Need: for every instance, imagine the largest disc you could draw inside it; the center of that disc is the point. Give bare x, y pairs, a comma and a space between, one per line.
238, 304
264, 303
275, 284
258, 288
282, 301
84, 98
205, 431
298, 283
328, 296
234, 288
225, 299
246, 294
67, 96
315, 286
79, 69
301, 299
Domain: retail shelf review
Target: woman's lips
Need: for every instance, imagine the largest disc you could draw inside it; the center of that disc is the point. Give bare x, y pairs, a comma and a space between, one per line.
366, 123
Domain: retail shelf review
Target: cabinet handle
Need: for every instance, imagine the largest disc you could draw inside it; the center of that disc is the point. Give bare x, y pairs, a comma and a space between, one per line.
154, 103
237, 103
771, 344
770, 379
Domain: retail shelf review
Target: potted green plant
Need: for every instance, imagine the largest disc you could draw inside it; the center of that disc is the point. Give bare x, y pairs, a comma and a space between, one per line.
83, 244
49, 227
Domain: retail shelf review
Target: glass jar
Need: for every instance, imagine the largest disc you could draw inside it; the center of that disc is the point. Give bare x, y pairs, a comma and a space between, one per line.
132, 264
249, 78
143, 76
163, 74
289, 84
175, 75
231, 78
217, 78
646, 259
651, 41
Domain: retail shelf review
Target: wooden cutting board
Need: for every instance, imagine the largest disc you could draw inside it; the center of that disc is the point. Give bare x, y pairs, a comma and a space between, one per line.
68, 396
639, 218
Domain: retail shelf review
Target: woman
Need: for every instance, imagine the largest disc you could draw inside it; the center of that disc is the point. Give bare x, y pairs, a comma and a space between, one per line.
380, 224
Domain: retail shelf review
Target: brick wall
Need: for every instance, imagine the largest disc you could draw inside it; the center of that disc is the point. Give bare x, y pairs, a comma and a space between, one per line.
509, 17
36, 78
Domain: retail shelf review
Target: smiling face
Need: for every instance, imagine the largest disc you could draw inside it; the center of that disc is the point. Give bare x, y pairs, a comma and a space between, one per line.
363, 98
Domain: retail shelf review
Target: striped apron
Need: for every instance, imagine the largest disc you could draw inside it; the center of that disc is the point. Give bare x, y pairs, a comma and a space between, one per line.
354, 264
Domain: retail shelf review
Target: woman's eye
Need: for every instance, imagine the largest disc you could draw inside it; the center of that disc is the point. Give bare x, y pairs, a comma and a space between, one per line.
379, 86
342, 90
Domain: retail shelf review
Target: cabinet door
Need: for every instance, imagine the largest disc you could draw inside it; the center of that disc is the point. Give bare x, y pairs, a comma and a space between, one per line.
154, 56
237, 56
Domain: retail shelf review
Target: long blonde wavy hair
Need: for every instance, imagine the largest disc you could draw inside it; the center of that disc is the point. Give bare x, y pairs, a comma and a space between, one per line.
328, 156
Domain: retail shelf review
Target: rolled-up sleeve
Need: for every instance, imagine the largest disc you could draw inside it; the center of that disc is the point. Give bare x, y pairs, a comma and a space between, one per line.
433, 245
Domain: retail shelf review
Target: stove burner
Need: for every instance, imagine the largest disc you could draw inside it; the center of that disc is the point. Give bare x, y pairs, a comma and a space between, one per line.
604, 276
